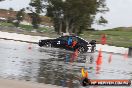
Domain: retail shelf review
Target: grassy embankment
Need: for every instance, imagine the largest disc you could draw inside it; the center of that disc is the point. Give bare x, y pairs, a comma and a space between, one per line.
117, 37
28, 30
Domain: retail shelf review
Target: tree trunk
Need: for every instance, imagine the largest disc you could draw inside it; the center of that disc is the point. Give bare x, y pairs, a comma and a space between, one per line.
67, 26
71, 28
60, 27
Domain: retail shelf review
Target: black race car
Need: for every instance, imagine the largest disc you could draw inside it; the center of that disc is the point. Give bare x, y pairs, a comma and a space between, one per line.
69, 43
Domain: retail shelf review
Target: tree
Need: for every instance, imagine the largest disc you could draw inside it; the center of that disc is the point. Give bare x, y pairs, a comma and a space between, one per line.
11, 9
37, 5
10, 17
36, 9
19, 17
74, 15
102, 21
35, 19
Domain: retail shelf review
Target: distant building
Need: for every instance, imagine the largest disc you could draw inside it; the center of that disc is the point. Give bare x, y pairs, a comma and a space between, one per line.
7, 14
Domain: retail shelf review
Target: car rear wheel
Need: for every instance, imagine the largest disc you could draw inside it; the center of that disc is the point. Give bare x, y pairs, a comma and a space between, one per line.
93, 49
48, 44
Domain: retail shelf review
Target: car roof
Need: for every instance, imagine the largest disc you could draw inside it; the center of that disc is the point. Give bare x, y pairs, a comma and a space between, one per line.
75, 36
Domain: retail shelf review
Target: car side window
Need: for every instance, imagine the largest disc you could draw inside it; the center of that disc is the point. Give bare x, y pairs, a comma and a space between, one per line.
65, 38
75, 39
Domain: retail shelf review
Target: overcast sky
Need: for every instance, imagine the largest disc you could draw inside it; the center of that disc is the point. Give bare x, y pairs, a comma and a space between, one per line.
15, 4
120, 13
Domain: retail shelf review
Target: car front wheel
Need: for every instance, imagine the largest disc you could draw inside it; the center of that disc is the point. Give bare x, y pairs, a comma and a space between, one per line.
81, 49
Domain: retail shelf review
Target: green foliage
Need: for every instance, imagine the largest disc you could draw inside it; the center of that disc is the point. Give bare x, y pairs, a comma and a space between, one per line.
26, 27
30, 28
35, 15
102, 21
35, 19
11, 9
37, 4
6, 24
74, 15
19, 17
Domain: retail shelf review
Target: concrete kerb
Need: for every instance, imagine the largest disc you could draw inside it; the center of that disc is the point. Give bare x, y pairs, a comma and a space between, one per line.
6, 83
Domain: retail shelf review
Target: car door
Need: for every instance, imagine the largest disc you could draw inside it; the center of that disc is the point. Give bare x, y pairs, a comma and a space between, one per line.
81, 42
74, 42
61, 42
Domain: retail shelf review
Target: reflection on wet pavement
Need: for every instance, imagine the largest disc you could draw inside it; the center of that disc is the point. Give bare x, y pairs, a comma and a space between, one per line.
57, 66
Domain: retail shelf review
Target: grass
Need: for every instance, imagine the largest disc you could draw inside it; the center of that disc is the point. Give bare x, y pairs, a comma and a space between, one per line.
6, 24
24, 27
116, 38
30, 28
27, 30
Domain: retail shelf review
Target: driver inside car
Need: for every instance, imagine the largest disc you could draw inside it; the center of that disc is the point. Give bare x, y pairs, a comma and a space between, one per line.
70, 41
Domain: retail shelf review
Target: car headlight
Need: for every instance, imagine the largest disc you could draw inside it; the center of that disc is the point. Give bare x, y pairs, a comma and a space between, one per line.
89, 45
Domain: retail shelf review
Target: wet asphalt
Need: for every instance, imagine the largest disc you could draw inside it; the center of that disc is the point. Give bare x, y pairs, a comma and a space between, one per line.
26, 61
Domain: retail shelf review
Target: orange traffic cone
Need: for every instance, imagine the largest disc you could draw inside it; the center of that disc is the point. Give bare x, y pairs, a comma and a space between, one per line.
110, 58
98, 68
99, 59
30, 46
103, 39
76, 52
74, 55
126, 55
85, 80
84, 73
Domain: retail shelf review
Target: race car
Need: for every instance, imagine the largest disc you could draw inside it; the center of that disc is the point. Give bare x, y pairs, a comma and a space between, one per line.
69, 43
